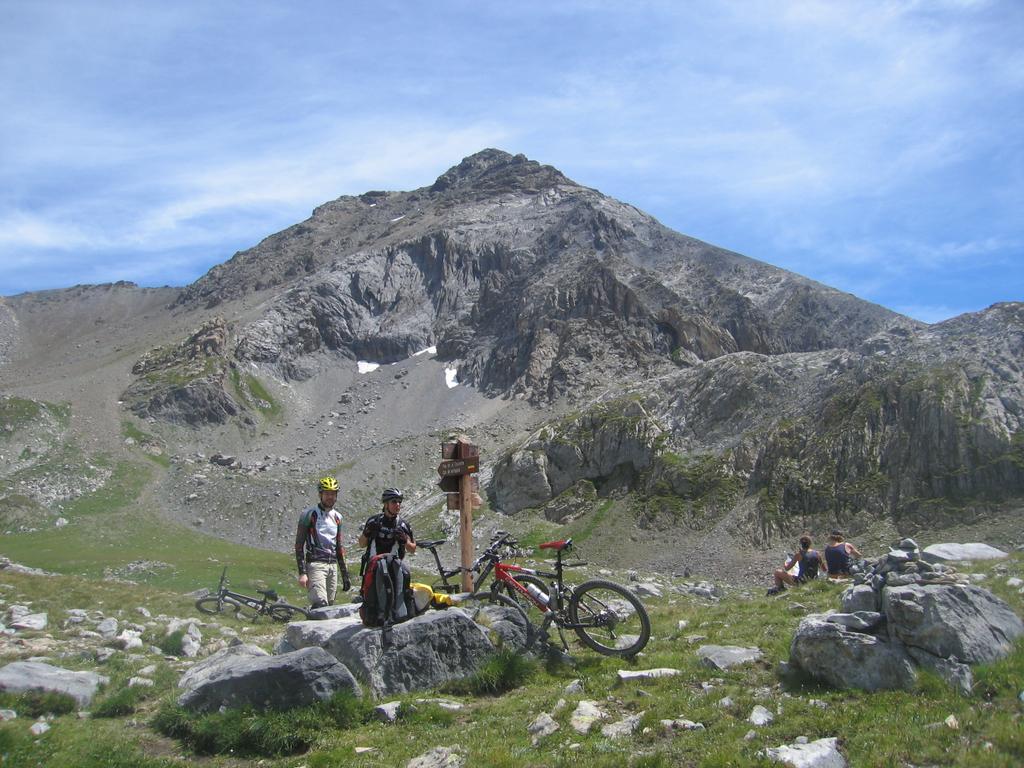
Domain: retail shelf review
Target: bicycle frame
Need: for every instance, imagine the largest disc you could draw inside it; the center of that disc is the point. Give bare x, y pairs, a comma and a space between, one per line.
482, 574
554, 609
256, 604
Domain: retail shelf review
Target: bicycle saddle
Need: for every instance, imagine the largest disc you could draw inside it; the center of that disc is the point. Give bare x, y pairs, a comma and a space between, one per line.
271, 594
559, 545
430, 544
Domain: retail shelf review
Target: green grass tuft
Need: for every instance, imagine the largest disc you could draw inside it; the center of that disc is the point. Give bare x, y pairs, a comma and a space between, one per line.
171, 643
38, 703
506, 670
245, 732
123, 701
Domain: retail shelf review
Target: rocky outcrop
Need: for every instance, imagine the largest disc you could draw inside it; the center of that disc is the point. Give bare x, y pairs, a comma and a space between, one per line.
610, 445
186, 383
422, 653
929, 618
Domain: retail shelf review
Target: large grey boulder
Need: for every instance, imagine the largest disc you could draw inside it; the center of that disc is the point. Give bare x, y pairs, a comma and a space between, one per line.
859, 597
830, 652
21, 676
950, 620
425, 652
243, 678
937, 553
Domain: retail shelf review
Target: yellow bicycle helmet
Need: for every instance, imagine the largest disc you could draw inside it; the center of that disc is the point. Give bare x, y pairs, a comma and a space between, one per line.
328, 484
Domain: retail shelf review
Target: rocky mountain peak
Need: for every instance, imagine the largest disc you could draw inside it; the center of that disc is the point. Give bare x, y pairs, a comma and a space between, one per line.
492, 170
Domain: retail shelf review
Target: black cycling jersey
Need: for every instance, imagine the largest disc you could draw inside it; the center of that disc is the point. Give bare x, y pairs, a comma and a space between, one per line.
380, 532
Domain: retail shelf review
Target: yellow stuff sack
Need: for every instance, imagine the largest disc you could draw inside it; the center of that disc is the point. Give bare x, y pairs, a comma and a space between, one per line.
422, 594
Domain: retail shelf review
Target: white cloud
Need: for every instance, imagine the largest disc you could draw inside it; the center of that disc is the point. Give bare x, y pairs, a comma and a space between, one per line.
806, 131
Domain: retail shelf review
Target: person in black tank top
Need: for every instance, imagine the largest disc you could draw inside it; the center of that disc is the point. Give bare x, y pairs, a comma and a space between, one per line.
838, 556
808, 563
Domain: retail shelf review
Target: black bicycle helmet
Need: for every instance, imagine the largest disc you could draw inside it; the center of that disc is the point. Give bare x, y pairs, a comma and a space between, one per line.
391, 494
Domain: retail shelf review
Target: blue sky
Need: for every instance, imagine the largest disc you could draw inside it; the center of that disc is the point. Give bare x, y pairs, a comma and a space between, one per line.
876, 146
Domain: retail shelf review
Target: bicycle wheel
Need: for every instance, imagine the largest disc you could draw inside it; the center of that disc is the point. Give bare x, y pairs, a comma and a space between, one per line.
613, 620
211, 605
523, 578
504, 616
284, 612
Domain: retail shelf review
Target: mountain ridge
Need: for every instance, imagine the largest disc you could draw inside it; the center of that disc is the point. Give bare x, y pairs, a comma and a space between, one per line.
769, 402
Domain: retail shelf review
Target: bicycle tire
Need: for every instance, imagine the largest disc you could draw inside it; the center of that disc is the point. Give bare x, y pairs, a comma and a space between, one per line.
523, 578
209, 605
615, 622
520, 620
285, 613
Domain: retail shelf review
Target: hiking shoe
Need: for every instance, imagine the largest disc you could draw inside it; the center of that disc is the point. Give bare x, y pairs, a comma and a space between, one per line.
774, 591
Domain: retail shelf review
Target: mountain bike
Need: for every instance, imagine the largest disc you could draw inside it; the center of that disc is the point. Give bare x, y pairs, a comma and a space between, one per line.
246, 607
607, 617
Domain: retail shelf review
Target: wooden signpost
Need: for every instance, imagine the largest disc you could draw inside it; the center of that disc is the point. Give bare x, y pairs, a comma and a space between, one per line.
460, 461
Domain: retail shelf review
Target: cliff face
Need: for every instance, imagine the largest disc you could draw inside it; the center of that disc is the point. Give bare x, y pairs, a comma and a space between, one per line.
536, 286
922, 428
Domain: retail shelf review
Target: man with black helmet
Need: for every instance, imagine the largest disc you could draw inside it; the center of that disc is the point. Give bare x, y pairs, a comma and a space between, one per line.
318, 547
388, 531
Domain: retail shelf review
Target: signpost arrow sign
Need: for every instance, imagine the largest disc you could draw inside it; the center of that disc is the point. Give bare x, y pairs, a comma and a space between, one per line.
454, 467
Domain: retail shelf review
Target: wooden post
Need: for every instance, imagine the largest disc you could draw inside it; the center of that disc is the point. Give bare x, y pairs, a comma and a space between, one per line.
460, 460
466, 451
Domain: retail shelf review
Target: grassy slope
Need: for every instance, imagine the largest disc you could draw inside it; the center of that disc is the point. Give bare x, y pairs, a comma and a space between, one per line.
881, 729
110, 528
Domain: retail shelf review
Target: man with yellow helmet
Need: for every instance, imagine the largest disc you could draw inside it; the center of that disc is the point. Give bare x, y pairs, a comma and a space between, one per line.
318, 549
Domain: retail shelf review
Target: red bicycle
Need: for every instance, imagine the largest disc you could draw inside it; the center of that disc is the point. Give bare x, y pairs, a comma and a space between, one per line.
607, 617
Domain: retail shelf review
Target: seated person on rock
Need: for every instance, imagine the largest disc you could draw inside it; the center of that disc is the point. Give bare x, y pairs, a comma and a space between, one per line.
388, 531
839, 555
808, 561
